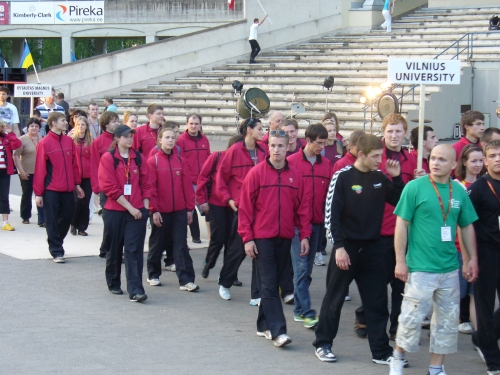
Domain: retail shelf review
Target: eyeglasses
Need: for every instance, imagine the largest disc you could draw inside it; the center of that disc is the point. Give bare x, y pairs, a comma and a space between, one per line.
277, 133
321, 144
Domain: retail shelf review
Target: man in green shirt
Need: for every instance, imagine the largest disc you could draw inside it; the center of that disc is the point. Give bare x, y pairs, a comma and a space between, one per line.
428, 213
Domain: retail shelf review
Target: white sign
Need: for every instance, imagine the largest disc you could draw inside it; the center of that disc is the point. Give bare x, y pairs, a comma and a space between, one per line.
32, 90
63, 12
435, 72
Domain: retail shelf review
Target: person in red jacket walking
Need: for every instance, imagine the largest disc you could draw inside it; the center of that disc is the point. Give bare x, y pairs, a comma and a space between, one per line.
108, 123
171, 213
216, 210
83, 140
56, 179
8, 143
472, 125
316, 172
146, 136
124, 178
271, 205
238, 161
195, 149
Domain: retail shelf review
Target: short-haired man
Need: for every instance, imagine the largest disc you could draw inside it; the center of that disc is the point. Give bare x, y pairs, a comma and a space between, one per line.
291, 127
8, 111
63, 103
353, 215
394, 129
56, 179
350, 157
430, 141
93, 117
316, 172
49, 106
428, 213
489, 135
110, 106
275, 120
108, 123
484, 194
267, 218
146, 136
472, 125
252, 39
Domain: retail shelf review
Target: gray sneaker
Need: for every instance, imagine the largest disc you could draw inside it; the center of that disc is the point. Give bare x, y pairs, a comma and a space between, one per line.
59, 260
154, 282
170, 268
282, 340
318, 259
189, 287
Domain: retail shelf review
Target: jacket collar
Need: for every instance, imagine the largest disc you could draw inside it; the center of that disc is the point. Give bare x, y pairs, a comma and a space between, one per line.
269, 164
193, 136
304, 157
388, 153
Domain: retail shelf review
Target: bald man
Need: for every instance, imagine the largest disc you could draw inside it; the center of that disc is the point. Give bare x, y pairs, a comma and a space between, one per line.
432, 206
275, 121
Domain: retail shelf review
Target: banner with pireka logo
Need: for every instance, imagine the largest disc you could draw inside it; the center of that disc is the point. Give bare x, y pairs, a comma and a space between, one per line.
63, 12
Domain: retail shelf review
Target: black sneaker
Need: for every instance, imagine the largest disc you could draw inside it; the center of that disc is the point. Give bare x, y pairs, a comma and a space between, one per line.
204, 272
196, 240
138, 298
323, 252
82, 233
325, 354
237, 283
73, 230
116, 291
387, 361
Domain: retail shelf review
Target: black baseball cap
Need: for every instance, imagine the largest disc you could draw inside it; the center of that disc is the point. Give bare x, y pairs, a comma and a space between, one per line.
122, 130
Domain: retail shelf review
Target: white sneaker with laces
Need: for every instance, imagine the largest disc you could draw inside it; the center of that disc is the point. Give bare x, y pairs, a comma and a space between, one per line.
170, 268
154, 282
224, 293
255, 302
318, 259
465, 328
266, 334
282, 340
396, 366
190, 287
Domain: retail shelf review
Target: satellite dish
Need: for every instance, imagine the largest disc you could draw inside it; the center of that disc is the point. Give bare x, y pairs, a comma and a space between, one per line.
298, 108
498, 112
387, 104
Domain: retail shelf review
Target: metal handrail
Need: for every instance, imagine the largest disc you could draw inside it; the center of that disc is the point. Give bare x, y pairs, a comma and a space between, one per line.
469, 47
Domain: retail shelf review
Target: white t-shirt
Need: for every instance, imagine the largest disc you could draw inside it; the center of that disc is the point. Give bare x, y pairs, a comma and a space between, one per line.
9, 114
253, 31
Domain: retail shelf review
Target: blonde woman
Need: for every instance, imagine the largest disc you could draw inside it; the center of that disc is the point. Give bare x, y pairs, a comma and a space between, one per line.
83, 140
130, 119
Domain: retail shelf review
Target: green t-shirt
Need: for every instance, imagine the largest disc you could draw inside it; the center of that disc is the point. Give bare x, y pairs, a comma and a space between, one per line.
419, 205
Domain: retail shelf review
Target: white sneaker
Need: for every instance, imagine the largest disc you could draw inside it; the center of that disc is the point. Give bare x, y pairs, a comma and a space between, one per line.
282, 340
288, 299
154, 282
170, 268
318, 259
190, 287
396, 366
426, 323
465, 328
224, 293
255, 302
347, 298
266, 334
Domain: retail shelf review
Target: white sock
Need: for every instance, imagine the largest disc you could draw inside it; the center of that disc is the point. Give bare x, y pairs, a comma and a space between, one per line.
6, 222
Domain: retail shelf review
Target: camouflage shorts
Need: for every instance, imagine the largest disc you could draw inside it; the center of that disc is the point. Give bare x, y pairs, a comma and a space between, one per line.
422, 290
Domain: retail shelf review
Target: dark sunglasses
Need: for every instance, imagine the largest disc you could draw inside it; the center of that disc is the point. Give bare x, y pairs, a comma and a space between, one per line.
279, 133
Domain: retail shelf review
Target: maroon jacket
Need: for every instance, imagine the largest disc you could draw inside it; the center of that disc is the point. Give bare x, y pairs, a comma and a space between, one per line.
273, 203
10, 143
316, 181
461, 144
145, 139
112, 180
83, 159
100, 145
56, 168
208, 173
195, 151
233, 170
171, 189
408, 166
345, 161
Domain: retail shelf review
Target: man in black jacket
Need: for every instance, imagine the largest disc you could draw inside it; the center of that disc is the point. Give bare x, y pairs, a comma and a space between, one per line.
354, 210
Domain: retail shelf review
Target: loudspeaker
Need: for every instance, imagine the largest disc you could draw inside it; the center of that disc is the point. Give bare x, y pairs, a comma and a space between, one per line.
17, 75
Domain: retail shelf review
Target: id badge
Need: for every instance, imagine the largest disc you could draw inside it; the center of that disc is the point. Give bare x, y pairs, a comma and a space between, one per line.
446, 234
127, 189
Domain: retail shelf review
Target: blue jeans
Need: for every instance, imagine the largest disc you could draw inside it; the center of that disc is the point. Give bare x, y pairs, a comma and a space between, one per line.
302, 270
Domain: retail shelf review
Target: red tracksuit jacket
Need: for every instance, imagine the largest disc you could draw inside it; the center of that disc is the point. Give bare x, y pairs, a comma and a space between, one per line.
346, 160
208, 173
83, 159
10, 143
233, 170
408, 166
195, 151
112, 180
171, 189
56, 168
145, 139
316, 181
272, 204
100, 145
461, 144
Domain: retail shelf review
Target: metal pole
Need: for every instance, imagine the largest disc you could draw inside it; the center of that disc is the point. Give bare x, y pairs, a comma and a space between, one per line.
421, 113
265, 12
364, 119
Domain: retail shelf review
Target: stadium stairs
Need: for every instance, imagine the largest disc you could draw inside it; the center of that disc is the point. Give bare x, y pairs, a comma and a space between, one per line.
296, 73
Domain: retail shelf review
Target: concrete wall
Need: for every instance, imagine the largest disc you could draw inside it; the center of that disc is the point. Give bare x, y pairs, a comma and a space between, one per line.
486, 89
462, 3
443, 108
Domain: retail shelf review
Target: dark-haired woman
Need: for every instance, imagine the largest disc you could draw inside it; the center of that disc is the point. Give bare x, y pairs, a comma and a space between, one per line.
24, 159
238, 161
83, 140
172, 212
8, 143
124, 178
